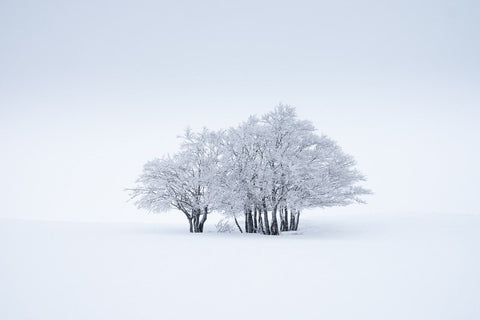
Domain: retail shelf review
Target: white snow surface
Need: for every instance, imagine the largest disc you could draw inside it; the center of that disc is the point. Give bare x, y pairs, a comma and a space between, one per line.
368, 266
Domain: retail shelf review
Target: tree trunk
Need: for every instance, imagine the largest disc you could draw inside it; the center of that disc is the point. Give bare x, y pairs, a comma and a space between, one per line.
265, 217
196, 221
195, 224
260, 222
248, 220
245, 213
238, 225
292, 219
255, 219
297, 220
282, 219
286, 219
204, 218
274, 228
191, 224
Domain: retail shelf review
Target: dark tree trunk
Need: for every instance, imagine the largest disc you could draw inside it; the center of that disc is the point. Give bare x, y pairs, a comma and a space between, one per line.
248, 220
265, 217
197, 227
255, 219
260, 222
191, 224
238, 225
292, 219
285, 220
297, 220
195, 224
194, 220
204, 218
282, 219
274, 228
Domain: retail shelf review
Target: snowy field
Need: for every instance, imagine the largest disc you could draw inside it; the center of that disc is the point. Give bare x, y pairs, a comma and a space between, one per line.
340, 267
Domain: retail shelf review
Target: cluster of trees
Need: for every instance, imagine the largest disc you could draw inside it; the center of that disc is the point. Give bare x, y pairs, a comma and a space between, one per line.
267, 170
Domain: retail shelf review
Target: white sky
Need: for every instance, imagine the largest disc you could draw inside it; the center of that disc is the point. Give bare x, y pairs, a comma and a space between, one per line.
90, 90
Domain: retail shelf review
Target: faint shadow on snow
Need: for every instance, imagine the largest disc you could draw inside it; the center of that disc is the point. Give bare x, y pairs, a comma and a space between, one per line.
309, 229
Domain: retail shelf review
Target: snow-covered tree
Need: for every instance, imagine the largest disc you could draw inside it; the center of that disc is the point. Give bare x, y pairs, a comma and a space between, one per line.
275, 166
184, 181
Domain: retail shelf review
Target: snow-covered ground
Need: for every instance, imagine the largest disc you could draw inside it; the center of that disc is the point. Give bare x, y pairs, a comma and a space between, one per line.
339, 267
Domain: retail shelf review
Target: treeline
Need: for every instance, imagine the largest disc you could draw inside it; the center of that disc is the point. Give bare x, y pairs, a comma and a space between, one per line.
268, 169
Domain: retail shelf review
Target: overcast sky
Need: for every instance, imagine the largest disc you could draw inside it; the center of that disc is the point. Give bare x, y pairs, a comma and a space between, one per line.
90, 90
